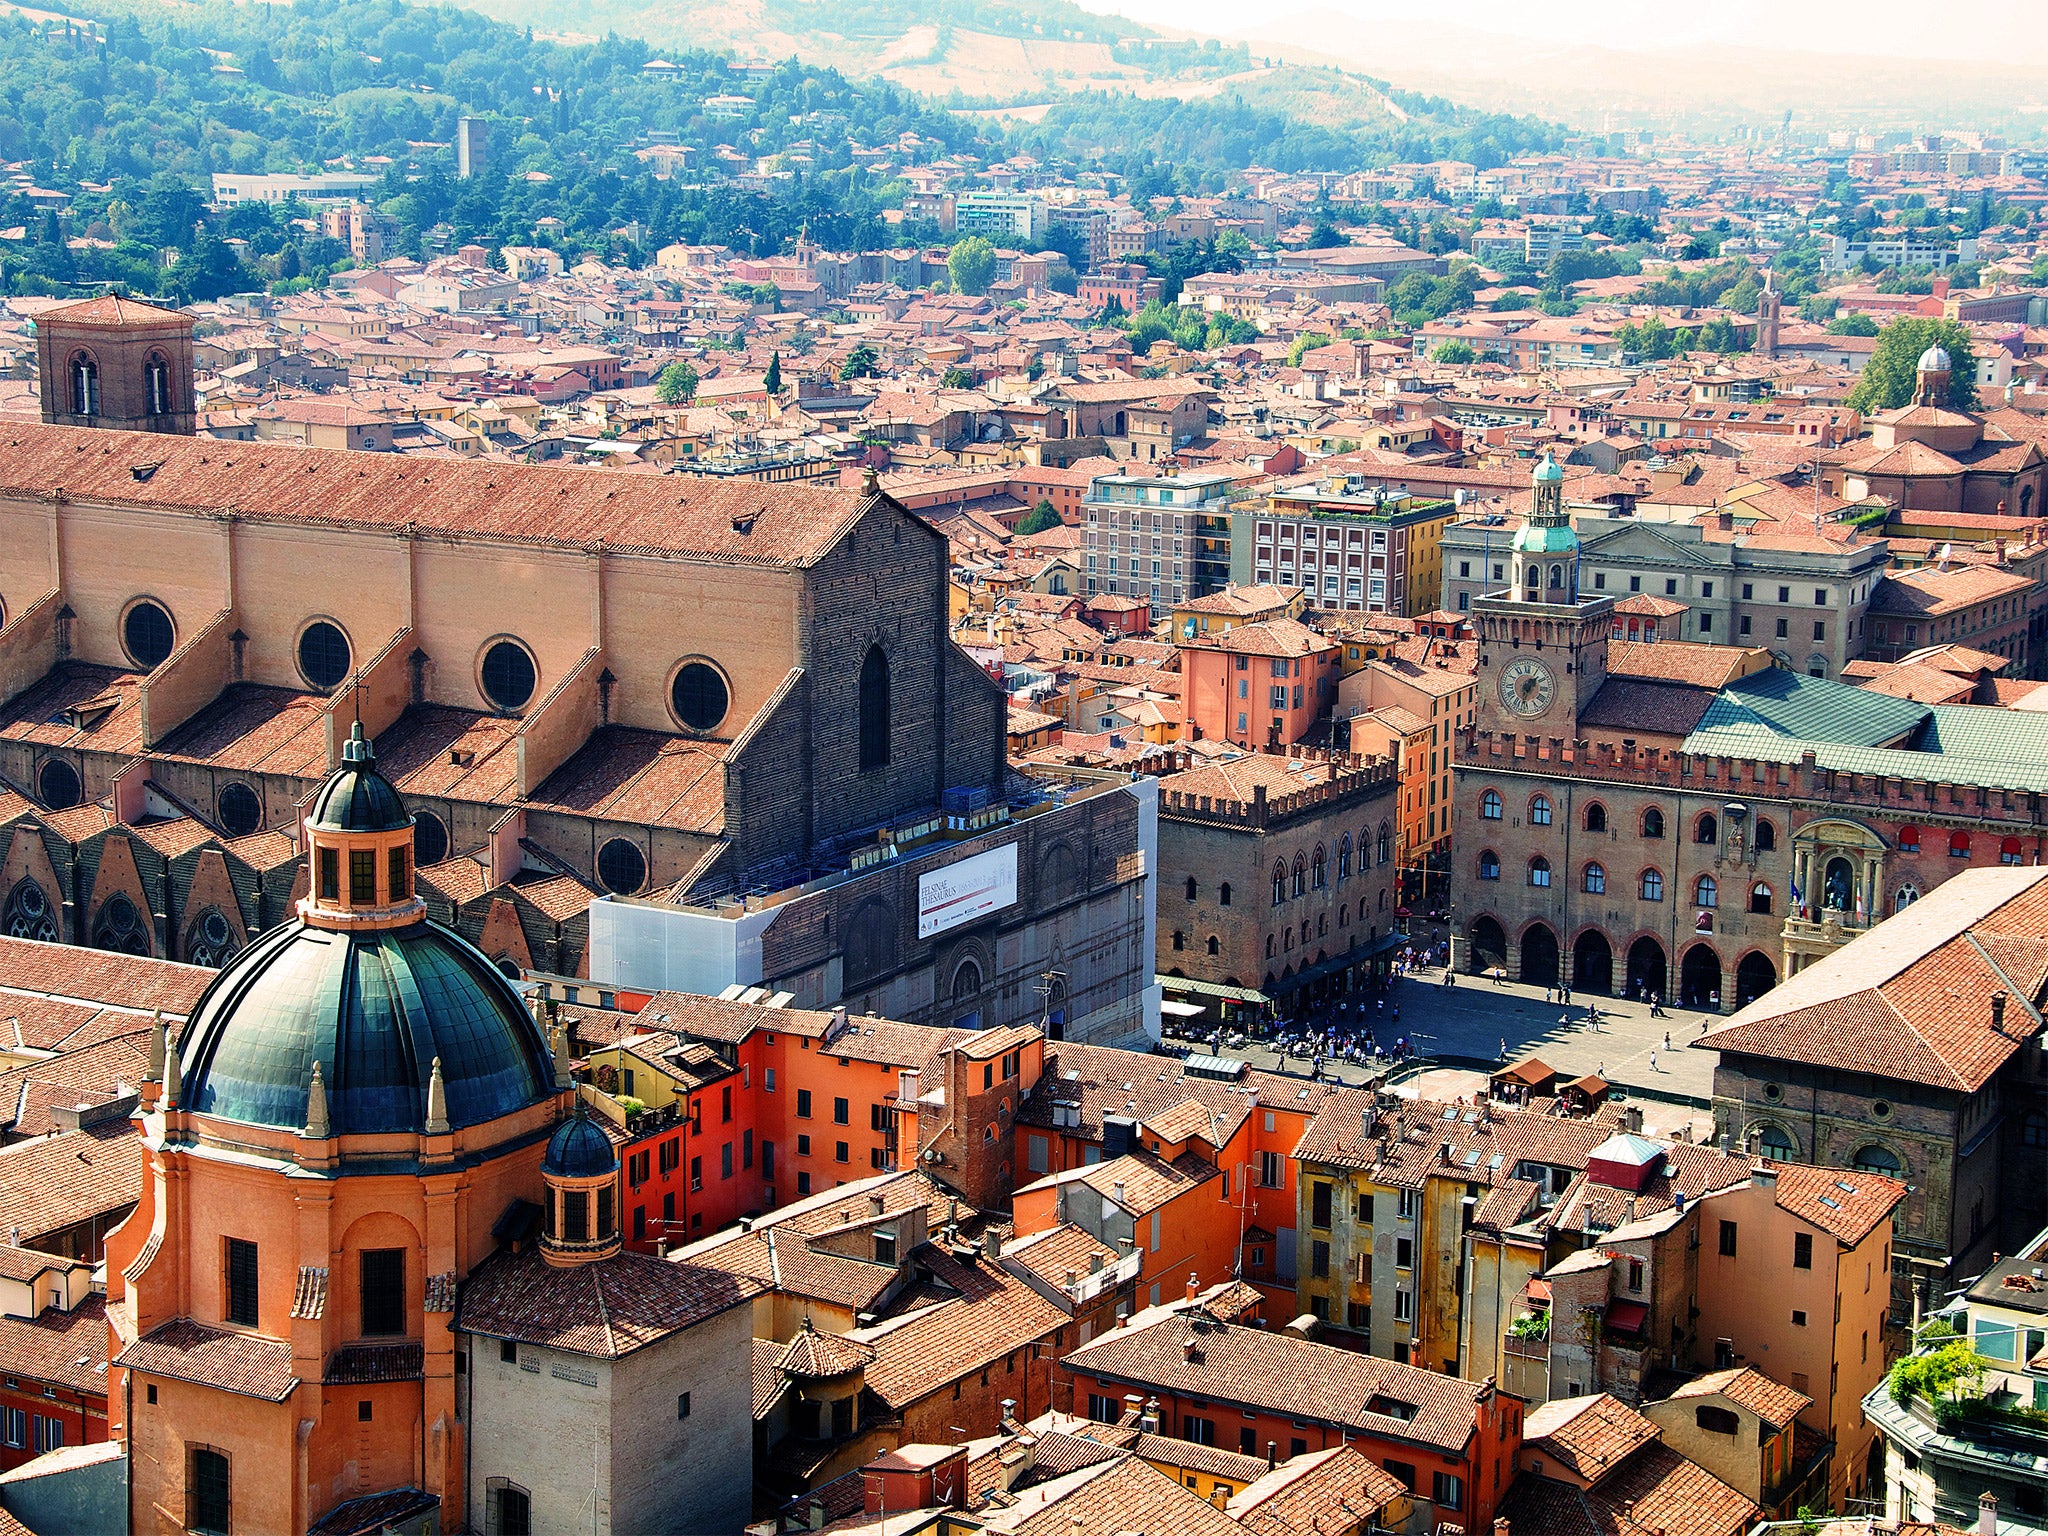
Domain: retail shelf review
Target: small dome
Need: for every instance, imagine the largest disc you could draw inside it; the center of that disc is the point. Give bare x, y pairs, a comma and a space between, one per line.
1534, 538
1549, 471
579, 1150
356, 797
1933, 360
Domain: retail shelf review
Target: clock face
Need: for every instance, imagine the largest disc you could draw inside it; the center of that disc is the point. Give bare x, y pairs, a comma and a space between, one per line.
1526, 686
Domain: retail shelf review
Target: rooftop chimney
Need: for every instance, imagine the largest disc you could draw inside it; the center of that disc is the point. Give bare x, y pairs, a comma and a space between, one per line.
992, 1243
877, 1204
1998, 1010
1987, 1514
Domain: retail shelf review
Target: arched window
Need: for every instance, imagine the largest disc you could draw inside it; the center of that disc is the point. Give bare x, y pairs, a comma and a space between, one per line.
1344, 915
1707, 830
1535, 582
1271, 946
2009, 851
1652, 886
1180, 940
1904, 898
1539, 871
1539, 811
1760, 899
1596, 880
1489, 806
967, 981
85, 386
1344, 859
1191, 888
1279, 884
1319, 873
1489, 865
1879, 1160
1959, 844
29, 914
121, 927
1300, 875
1909, 839
1653, 822
1596, 817
1223, 894
1766, 837
1706, 892
156, 385
1556, 577
1386, 842
210, 941
1215, 945
1775, 1145
874, 709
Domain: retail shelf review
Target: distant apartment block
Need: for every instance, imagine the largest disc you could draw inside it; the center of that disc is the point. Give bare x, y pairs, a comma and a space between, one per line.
1842, 253
1001, 217
1164, 538
1350, 546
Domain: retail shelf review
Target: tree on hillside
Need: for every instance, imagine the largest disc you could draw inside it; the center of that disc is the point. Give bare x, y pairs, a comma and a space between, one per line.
1854, 324
1889, 379
1038, 519
676, 384
956, 377
1454, 352
772, 379
971, 265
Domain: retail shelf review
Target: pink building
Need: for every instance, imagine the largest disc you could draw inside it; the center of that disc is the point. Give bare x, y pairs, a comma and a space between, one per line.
1260, 685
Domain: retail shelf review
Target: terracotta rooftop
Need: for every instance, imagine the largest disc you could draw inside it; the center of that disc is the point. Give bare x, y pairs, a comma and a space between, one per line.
687, 517
1280, 1373
1776, 1404
1587, 1436
1911, 1000
243, 1363
606, 1308
64, 1349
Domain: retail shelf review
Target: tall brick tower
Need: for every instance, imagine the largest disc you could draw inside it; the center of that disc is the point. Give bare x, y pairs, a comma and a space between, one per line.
1542, 646
113, 362
1769, 304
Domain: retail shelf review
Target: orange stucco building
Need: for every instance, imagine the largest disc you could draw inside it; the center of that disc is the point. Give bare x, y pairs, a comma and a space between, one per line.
353, 1119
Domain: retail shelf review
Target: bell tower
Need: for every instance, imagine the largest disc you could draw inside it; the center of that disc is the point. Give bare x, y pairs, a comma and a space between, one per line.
113, 362
1542, 646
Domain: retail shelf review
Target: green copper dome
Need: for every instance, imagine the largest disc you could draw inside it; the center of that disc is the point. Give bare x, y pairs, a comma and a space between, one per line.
1539, 539
375, 1009
356, 797
1549, 471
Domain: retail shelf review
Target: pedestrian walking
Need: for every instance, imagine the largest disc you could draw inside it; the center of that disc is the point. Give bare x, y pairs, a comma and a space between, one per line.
1653, 1060
1667, 1039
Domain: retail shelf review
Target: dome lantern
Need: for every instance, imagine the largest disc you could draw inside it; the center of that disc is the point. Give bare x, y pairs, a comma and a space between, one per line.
1931, 377
581, 1171
359, 834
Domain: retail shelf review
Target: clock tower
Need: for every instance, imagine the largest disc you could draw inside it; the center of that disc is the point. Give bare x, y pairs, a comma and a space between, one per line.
1542, 647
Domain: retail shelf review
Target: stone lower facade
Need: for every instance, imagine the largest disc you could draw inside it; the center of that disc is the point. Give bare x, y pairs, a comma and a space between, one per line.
1066, 941
1255, 893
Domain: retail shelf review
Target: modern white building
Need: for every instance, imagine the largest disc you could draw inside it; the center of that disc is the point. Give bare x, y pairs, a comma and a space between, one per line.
332, 187
1002, 217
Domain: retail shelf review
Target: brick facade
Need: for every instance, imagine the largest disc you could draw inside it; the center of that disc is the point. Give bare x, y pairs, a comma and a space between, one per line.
1326, 848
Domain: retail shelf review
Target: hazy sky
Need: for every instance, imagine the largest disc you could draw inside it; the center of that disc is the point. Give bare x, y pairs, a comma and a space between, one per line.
1992, 31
